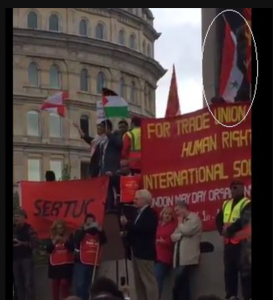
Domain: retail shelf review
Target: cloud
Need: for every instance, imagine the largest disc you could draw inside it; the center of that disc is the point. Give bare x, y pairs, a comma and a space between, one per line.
179, 44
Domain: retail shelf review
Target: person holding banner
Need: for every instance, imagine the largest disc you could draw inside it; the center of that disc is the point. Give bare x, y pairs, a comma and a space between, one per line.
140, 234
187, 238
25, 239
88, 240
61, 260
230, 225
164, 246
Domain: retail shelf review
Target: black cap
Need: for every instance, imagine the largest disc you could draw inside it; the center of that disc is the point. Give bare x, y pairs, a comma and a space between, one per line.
237, 182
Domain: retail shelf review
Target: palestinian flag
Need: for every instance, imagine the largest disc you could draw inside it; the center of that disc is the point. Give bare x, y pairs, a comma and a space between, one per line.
55, 104
231, 76
114, 105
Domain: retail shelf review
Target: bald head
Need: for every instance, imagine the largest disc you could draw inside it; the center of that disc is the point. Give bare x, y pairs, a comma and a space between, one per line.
73, 298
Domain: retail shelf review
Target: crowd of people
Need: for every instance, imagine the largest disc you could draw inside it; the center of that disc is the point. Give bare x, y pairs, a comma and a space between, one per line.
155, 244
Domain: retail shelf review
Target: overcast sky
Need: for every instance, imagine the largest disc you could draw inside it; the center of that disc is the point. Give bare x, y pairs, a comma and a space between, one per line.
180, 44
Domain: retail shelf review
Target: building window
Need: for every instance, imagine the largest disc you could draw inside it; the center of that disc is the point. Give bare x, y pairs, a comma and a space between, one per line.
34, 169
84, 80
100, 32
100, 82
33, 74
54, 23
132, 41
33, 123
55, 126
122, 88
83, 28
133, 92
144, 47
84, 170
121, 37
32, 20
54, 77
149, 50
57, 167
84, 124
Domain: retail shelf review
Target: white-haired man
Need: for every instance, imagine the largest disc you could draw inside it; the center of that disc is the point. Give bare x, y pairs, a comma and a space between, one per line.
141, 235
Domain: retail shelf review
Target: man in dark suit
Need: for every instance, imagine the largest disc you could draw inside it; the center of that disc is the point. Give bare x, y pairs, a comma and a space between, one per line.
110, 154
141, 235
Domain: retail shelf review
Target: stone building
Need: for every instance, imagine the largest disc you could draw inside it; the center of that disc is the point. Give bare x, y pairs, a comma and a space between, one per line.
79, 50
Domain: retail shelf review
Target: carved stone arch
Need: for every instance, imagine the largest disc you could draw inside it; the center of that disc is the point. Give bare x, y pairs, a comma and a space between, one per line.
61, 64
108, 74
105, 33
60, 18
39, 17
25, 63
88, 24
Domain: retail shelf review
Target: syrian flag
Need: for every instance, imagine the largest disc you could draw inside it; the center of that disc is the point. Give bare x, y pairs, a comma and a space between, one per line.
114, 105
55, 104
247, 14
231, 77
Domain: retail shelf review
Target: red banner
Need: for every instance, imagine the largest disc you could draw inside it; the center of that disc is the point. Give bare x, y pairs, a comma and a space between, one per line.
70, 200
197, 158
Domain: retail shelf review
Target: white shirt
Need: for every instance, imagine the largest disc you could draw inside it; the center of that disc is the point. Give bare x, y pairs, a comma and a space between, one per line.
140, 212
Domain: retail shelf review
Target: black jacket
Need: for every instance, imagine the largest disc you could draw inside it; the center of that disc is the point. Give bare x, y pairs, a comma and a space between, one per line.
28, 236
112, 154
142, 234
236, 226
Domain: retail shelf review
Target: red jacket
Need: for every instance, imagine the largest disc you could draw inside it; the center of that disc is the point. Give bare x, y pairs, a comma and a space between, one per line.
164, 251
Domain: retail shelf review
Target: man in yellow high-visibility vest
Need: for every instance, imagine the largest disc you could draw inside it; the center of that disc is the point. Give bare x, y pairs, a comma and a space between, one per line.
230, 224
131, 151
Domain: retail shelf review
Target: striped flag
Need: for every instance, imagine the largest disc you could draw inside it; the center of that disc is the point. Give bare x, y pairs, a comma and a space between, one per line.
231, 76
114, 105
55, 104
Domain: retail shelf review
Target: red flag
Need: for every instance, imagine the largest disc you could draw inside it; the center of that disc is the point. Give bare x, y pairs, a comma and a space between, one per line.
173, 106
247, 14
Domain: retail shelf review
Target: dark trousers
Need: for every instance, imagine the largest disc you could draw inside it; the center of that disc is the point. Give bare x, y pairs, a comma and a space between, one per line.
14, 290
60, 288
181, 289
83, 276
232, 264
23, 271
161, 270
113, 192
